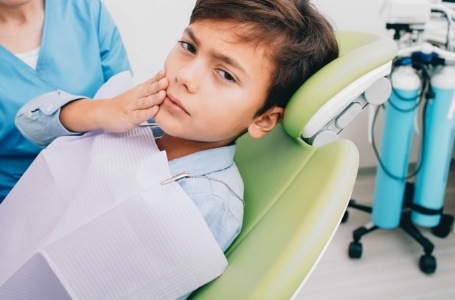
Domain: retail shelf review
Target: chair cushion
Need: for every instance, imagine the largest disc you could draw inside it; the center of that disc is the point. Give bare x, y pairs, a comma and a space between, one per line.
295, 197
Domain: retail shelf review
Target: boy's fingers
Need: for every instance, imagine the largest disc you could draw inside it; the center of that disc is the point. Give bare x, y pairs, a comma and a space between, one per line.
151, 112
146, 114
154, 87
150, 101
160, 74
157, 77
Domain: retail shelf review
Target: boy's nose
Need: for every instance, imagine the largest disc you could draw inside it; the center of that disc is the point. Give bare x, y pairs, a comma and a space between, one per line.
190, 77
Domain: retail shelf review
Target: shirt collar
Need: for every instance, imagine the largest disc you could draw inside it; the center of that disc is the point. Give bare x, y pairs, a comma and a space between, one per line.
204, 162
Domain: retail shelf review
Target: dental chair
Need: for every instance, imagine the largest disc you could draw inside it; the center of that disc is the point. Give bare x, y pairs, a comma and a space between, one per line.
299, 178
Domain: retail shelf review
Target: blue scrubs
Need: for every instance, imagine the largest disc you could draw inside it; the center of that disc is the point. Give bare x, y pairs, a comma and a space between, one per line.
80, 49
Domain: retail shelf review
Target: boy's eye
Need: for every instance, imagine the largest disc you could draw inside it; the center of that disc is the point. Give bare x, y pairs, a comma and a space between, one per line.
187, 46
226, 76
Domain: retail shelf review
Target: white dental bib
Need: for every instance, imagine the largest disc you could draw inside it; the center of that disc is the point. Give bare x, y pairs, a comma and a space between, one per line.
90, 219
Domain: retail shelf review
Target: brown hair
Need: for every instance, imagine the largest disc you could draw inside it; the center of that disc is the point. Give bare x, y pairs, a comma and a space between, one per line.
299, 40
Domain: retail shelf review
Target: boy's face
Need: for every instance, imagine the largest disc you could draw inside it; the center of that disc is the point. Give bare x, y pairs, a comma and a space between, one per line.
216, 86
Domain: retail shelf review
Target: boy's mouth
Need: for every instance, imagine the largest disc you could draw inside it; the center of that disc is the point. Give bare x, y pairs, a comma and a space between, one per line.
174, 104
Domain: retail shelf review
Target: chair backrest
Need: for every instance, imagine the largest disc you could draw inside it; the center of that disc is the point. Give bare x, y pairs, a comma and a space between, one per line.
295, 193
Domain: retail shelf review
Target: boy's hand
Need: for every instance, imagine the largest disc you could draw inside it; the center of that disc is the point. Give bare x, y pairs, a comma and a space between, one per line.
133, 107
118, 114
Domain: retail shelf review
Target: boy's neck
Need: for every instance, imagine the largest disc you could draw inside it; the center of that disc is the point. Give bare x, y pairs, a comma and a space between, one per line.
177, 147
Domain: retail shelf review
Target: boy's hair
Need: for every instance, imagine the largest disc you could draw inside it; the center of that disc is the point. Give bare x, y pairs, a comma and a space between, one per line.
299, 40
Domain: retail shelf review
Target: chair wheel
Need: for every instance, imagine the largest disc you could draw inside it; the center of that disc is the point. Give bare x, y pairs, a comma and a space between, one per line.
345, 217
444, 227
427, 264
355, 250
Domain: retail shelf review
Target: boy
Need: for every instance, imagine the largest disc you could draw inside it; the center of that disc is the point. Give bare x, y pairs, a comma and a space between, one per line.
233, 71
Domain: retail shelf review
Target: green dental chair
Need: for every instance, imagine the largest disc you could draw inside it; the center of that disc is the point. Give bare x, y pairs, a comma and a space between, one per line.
299, 178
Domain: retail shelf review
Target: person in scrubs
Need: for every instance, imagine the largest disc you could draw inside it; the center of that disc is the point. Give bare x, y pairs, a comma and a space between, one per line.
47, 45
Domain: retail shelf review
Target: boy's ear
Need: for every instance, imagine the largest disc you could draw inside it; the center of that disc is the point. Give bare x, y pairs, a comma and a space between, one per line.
264, 123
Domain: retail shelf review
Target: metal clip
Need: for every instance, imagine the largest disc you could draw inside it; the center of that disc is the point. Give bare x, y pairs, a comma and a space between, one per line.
176, 177
146, 124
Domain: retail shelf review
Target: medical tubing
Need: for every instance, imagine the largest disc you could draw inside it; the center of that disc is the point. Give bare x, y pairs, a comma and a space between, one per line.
419, 98
426, 87
376, 152
449, 17
446, 16
397, 136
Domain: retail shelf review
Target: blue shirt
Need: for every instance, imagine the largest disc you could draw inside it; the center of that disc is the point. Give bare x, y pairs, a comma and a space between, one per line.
80, 50
215, 186
214, 183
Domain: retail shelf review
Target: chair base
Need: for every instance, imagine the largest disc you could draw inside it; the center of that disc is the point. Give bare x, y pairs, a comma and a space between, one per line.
427, 263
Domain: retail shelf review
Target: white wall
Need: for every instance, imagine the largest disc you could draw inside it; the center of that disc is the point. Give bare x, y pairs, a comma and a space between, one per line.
151, 28
354, 14
363, 15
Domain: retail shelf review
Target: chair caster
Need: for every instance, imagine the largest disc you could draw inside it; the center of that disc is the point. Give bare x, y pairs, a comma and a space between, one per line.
345, 217
444, 227
427, 264
355, 250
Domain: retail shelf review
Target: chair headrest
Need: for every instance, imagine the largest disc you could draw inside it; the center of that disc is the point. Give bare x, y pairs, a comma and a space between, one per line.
359, 54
